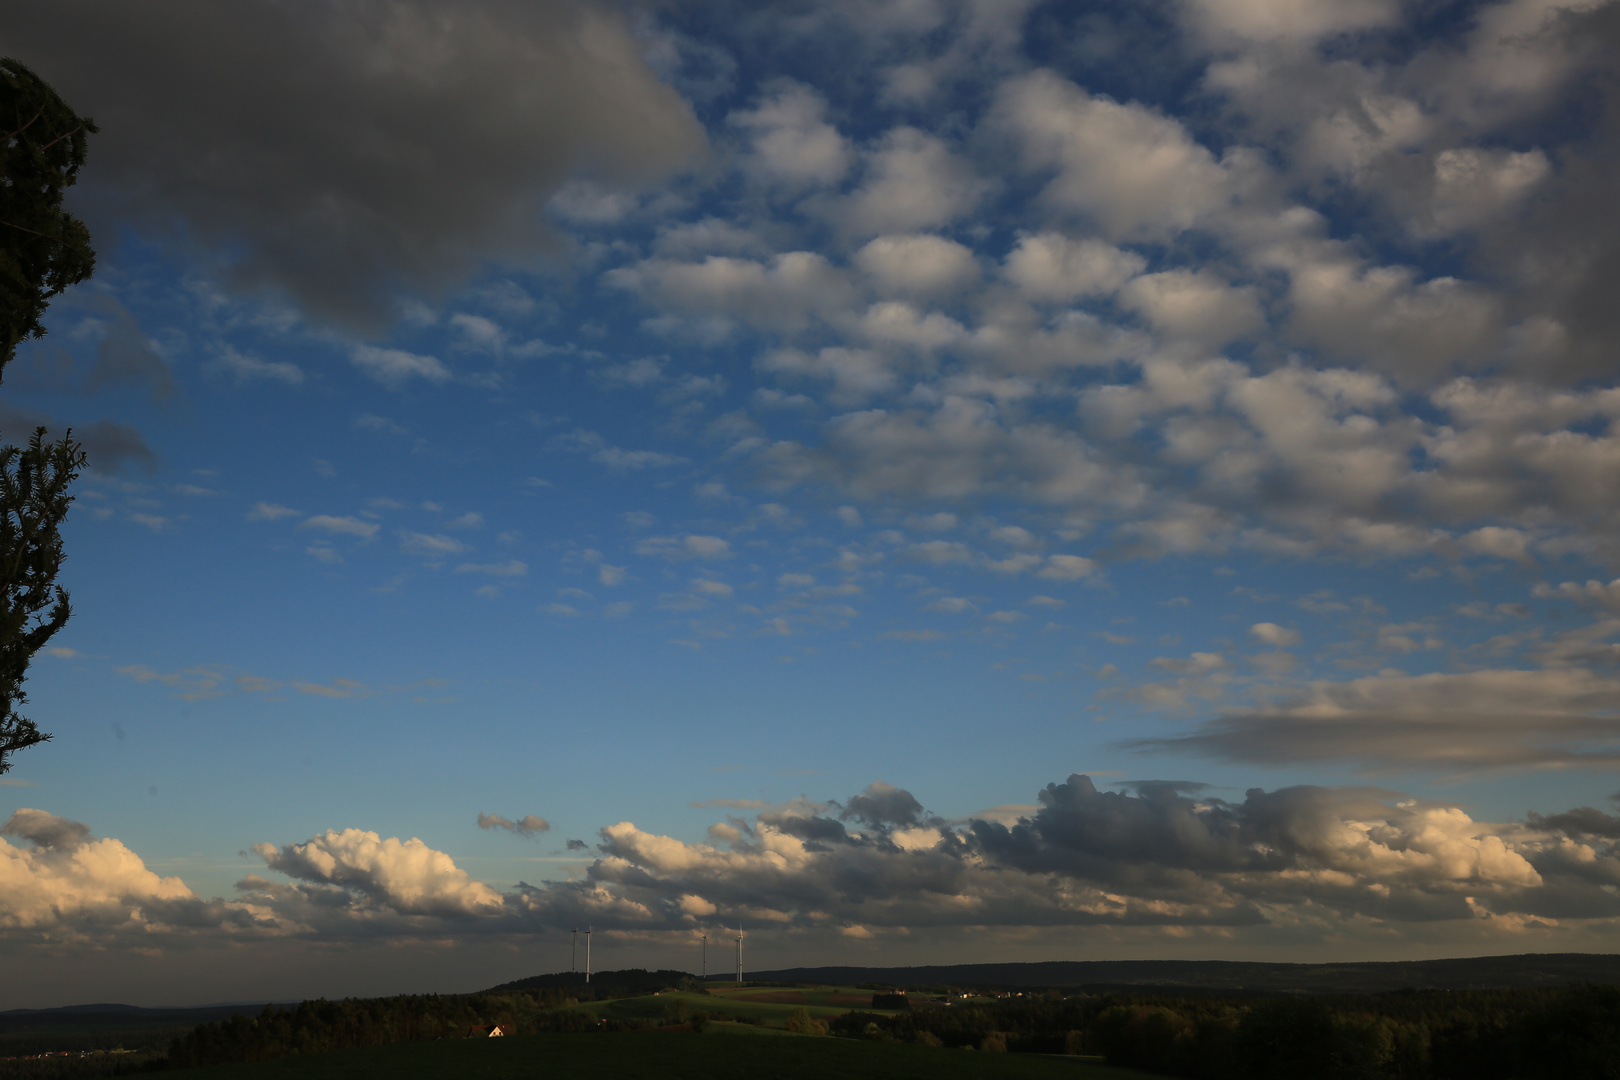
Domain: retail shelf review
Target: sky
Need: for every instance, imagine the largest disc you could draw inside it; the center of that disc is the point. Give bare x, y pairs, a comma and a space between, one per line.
923, 481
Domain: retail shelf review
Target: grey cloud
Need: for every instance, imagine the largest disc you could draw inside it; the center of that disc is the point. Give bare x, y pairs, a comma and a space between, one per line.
812, 828
1581, 821
1157, 857
110, 447
884, 804
1561, 715
526, 826
409, 142
1085, 832
46, 829
126, 357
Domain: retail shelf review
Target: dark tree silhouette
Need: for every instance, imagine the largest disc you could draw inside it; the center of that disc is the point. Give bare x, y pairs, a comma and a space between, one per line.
43, 250
33, 501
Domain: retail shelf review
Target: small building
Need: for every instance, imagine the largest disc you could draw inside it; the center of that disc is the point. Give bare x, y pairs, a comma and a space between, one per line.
485, 1031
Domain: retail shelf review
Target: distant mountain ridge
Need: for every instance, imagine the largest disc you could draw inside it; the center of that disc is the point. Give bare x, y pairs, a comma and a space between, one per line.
1473, 973
110, 1015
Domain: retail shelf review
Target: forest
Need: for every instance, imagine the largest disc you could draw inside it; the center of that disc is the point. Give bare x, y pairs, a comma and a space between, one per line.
1568, 1032
1517, 1034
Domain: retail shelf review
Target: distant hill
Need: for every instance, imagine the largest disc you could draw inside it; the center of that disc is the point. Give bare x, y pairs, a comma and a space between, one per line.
1474, 973
630, 982
112, 1016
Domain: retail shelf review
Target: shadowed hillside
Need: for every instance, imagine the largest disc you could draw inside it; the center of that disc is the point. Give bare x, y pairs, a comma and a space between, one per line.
1474, 973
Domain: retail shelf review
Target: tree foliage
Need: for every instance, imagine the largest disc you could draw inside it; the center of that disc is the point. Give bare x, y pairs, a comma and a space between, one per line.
34, 500
45, 249
1568, 1033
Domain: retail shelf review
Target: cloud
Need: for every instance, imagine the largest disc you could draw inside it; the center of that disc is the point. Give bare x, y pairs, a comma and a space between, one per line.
1320, 862
1131, 171
784, 292
417, 141
527, 826
406, 876
685, 547
1194, 305
1066, 568
1593, 593
394, 367
1051, 267
614, 457
1261, 847
883, 804
1294, 21
126, 356
109, 447
338, 688
66, 885
266, 511
791, 142
1559, 716
913, 181
247, 369
190, 684
510, 568
344, 526
917, 265
1268, 633
429, 545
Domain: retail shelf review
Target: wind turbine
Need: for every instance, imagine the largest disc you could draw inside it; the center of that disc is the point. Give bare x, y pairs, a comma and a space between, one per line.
587, 954
739, 954
573, 959
705, 954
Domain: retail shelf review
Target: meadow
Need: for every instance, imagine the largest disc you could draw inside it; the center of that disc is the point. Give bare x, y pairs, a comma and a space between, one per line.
723, 1052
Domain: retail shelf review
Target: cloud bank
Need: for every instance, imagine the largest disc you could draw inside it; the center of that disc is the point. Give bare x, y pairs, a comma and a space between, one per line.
1159, 856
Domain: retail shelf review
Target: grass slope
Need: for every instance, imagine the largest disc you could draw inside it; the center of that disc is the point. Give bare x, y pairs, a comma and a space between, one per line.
669, 1056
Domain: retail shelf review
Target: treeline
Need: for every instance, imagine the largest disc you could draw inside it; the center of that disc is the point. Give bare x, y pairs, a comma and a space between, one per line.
1571, 1033
628, 982
314, 1027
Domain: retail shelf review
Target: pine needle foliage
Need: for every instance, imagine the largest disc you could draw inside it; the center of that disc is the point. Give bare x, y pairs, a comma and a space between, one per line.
45, 249
34, 500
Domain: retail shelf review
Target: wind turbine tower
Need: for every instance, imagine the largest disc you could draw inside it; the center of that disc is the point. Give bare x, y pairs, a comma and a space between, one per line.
739, 954
587, 954
705, 954
573, 959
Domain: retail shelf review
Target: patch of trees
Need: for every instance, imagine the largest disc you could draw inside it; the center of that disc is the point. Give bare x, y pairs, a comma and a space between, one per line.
1572, 1033
315, 1027
630, 982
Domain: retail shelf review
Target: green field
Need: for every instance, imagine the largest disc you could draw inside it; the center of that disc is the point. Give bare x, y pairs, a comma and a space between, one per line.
672, 1055
771, 1005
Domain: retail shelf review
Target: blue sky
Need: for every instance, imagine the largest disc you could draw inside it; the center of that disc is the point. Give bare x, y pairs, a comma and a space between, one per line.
929, 481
